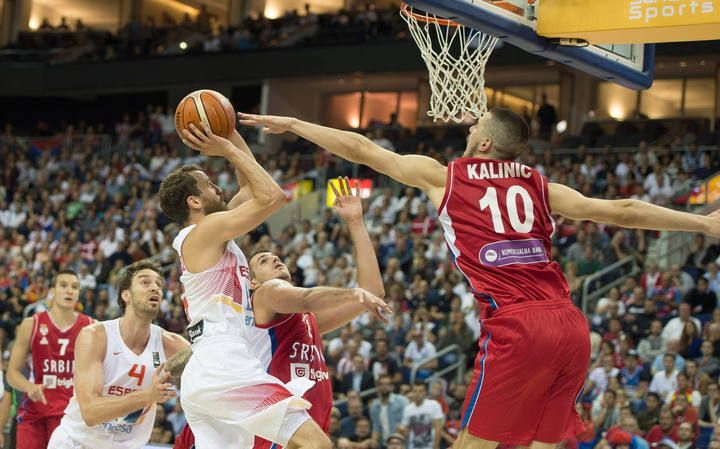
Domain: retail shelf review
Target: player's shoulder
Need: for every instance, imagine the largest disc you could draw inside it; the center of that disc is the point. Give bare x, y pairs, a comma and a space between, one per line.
94, 330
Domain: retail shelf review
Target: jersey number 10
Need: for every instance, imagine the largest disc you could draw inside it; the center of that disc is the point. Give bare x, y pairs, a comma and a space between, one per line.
491, 200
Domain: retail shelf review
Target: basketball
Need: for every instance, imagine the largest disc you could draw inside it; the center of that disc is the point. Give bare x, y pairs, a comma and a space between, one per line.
209, 107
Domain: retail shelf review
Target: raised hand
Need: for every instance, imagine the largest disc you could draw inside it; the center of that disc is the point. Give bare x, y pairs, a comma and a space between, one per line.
271, 124
347, 205
373, 304
204, 141
161, 390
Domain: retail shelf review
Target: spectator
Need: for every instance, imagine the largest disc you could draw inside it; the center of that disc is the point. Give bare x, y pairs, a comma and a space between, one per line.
397, 441
360, 379
651, 415
713, 278
354, 413
702, 300
707, 362
383, 363
690, 341
386, 411
665, 428
653, 345
673, 329
710, 407
684, 411
605, 413
547, 117
665, 382
671, 349
684, 388
418, 350
686, 437
632, 374
422, 420
600, 377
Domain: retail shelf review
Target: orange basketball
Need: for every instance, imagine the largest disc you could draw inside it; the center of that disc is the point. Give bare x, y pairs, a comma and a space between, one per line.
209, 107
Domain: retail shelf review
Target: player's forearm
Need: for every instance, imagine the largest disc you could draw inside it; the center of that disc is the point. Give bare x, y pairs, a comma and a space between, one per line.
18, 381
175, 365
337, 317
261, 184
369, 276
237, 140
348, 145
102, 409
639, 214
319, 299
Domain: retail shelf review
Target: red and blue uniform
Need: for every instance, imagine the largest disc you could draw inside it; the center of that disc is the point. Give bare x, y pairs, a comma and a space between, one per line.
53, 364
534, 343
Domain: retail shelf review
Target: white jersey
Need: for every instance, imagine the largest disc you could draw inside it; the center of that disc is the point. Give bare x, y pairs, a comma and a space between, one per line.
217, 300
124, 372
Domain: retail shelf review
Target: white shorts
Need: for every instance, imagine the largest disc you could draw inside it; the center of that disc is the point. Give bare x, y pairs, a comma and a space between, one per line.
229, 398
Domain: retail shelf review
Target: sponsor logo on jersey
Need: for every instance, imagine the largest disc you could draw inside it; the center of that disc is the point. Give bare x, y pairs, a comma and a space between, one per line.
508, 252
196, 330
43, 332
52, 382
303, 370
156, 359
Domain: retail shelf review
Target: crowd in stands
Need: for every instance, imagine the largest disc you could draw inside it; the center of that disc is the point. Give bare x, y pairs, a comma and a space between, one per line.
654, 374
205, 34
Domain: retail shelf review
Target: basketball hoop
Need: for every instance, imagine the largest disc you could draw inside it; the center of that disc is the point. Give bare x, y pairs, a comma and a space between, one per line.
455, 56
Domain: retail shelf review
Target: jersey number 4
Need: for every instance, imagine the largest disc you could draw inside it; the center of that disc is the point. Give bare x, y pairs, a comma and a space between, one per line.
138, 372
490, 200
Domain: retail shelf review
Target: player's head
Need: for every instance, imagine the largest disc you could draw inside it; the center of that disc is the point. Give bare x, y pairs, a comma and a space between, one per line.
265, 266
188, 190
499, 134
140, 289
65, 289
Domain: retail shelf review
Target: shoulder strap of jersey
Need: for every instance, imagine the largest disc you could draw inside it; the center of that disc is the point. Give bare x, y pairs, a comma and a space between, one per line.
36, 324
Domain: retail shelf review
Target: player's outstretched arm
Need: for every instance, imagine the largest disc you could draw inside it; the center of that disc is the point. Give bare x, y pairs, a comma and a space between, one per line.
89, 379
279, 297
18, 357
628, 213
349, 207
412, 170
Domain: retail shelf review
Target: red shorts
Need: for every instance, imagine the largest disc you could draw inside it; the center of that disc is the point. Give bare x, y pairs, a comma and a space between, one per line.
35, 433
529, 373
185, 440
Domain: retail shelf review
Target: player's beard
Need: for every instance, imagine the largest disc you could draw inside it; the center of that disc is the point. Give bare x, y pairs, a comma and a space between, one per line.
214, 205
144, 309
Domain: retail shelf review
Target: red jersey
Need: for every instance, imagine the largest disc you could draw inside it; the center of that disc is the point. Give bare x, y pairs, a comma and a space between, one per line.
496, 220
53, 362
296, 351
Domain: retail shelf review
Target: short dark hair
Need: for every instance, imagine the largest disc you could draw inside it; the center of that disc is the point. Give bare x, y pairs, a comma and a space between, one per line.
255, 253
655, 395
127, 275
512, 133
420, 382
175, 190
60, 273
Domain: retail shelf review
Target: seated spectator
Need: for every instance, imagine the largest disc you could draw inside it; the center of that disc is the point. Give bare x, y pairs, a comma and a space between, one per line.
605, 413
671, 349
362, 438
702, 300
385, 363
359, 379
684, 388
713, 278
690, 341
673, 329
665, 428
600, 377
707, 362
422, 419
710, 407
651, 277
418, 350
665, 382
651, 415
632, 373
683, 411
653, 345
686, 436
354, 413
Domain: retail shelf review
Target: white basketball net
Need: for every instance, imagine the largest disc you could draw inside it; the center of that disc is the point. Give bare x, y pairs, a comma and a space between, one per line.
455, 56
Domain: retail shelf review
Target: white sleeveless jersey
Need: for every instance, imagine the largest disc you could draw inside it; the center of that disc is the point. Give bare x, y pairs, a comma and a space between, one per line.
217, 300
125, 372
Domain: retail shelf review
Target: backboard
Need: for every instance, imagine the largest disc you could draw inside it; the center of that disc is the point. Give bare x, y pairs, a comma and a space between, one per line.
513, 21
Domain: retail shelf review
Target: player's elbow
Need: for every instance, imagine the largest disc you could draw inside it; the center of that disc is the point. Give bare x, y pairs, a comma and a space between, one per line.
88, 416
